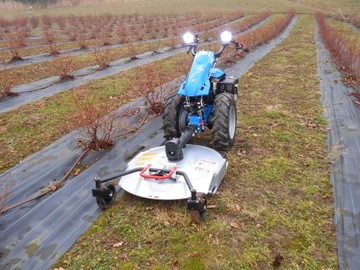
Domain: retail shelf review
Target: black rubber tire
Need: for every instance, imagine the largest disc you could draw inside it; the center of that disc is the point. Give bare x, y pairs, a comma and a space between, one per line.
174, 117
224, 121
105, 203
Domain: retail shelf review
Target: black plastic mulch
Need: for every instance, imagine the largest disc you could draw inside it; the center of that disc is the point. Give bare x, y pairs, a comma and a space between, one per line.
343, 117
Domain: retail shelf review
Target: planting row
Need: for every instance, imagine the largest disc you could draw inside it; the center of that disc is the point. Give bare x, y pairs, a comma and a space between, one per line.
61, 22
81, 39
65, 66
105, 33
31, 127
344, 49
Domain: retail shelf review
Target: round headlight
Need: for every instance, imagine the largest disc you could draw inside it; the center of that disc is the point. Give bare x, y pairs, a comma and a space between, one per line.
188, 38
226, 36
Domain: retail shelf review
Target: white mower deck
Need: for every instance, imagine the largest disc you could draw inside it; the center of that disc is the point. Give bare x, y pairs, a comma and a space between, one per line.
204, 167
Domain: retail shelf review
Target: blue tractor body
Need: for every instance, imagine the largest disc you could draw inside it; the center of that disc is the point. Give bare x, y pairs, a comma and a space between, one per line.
198, 84
207, 98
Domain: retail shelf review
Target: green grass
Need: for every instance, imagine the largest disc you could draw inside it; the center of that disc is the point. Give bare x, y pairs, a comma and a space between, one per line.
275, 204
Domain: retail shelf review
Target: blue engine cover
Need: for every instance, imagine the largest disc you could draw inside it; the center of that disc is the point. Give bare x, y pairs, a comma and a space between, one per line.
197, 82
217, 73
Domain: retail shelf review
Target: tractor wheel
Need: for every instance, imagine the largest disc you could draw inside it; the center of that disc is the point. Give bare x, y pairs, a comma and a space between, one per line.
224, 121
174, 117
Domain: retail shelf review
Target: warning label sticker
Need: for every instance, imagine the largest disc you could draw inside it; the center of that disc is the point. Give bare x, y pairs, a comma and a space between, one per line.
205, 165
145, 159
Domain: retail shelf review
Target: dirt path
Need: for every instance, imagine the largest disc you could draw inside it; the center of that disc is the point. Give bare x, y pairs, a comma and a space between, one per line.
55, 222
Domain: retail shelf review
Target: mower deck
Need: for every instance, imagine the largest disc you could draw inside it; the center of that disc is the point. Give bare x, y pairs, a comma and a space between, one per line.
204, 167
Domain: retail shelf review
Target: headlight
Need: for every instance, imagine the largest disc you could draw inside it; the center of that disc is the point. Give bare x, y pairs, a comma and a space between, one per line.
226, 36
188, 38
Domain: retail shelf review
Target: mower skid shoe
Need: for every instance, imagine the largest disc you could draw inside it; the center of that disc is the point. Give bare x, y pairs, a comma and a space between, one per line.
197, 205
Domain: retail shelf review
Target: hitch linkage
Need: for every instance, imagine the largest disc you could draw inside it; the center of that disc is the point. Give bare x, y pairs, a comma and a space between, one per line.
173, 148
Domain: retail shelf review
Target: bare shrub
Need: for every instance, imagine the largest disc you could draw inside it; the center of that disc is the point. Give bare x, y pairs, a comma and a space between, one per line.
16, 41
46, 21
155, 46
8, 80
122, 34
65, 66
5, 24
73, 34
98, 120
133, 50
103, 57
20, 22
207, 35
4, 193
104, 37
51, 39
34, 21
150, 82
230, 57
61, 21
82, 40
173, 42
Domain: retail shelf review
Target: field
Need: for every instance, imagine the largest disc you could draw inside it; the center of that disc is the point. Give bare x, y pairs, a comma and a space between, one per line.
62, 72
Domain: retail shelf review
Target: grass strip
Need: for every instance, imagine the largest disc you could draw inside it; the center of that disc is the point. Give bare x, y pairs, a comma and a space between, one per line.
274, 209
346, 31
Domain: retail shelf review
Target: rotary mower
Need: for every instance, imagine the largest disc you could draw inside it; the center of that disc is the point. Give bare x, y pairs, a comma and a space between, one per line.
178, 170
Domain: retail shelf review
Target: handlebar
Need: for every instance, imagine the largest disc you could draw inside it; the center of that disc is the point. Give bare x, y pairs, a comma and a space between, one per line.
238, 46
